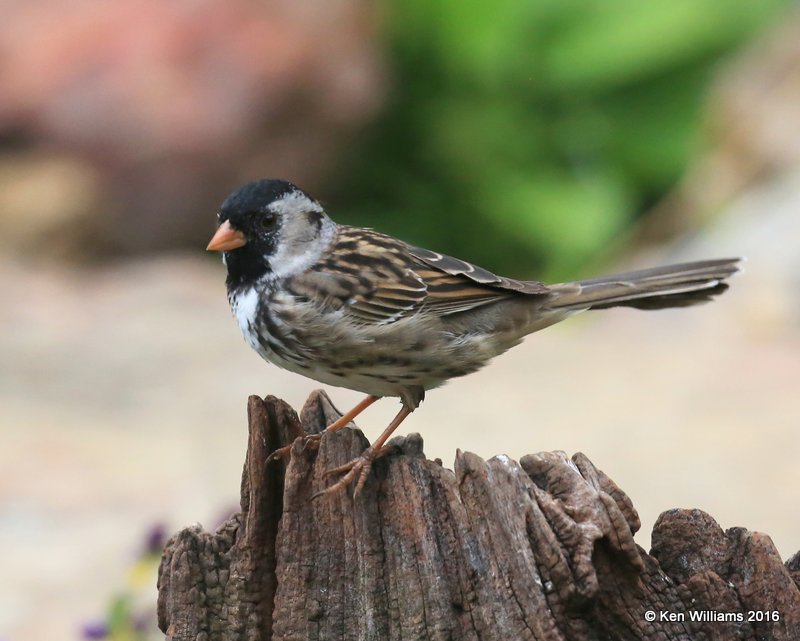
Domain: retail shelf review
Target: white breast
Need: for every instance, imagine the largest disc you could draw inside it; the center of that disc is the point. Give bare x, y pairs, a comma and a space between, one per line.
244, 304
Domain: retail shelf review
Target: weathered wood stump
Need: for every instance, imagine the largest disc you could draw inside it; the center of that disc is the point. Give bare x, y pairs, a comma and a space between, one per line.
542, 549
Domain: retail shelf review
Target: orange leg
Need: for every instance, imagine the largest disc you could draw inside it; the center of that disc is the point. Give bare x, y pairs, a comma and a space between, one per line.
336, 425
358, 469
344, 420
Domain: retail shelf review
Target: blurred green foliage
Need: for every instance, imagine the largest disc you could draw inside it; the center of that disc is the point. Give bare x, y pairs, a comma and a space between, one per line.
526, 134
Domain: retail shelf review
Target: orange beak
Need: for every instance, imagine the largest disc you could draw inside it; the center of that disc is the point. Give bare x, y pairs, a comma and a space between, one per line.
226, 238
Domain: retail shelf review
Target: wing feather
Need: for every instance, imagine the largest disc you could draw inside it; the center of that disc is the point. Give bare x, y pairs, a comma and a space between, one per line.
458, 267
378, 279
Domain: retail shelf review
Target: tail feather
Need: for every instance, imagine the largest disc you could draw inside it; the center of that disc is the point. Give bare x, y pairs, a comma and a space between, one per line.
670, 286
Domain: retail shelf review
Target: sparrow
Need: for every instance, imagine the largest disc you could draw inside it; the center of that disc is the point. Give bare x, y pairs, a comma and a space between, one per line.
355, 308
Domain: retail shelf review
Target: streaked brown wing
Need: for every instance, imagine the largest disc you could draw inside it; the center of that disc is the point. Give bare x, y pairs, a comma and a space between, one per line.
452, 293
380, 279
458, 267
367, 274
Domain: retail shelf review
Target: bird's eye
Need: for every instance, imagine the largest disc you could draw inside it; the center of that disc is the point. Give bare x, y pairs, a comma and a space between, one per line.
268, 220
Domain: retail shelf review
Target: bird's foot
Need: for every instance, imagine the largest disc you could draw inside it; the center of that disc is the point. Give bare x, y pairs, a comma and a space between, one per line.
314, 439
284, 452
356, 471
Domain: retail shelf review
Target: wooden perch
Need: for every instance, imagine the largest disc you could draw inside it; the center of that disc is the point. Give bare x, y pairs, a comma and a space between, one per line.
496, 550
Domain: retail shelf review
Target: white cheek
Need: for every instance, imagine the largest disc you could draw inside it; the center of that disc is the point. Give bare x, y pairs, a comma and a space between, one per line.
288, 265
298, 248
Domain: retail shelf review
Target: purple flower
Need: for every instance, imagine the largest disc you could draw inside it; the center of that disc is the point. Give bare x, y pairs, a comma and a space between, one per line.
144, 621
95, 630
156, 537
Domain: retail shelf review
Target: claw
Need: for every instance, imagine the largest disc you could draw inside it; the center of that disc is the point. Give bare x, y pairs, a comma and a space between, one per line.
359, 468
281, 452
356, 470
285, 451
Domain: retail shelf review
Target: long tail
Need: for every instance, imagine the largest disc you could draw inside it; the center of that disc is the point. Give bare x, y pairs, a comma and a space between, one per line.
656, 288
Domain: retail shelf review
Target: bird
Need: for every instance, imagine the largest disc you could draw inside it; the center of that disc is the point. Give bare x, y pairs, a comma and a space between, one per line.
355, 308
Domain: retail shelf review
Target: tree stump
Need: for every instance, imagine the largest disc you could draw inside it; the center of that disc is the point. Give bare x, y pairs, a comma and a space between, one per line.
542, 549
